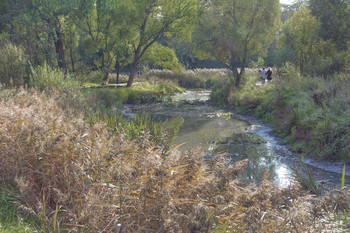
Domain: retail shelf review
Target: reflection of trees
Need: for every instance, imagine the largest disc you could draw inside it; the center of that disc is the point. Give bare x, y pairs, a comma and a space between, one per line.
258, 162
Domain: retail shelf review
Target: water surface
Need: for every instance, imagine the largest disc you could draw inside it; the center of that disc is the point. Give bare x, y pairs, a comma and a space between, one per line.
205, 123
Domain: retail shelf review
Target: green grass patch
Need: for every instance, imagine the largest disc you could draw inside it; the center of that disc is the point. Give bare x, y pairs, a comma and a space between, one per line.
10, 219
106, 100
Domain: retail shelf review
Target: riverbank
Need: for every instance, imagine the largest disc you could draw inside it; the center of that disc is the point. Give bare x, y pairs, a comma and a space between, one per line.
205, 124
265, 131
311, 114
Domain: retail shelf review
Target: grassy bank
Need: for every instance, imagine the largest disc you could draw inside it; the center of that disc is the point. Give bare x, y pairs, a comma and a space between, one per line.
147, 91
311, 113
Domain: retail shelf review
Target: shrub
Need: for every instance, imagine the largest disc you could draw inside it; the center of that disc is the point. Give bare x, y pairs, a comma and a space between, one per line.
46, 78
12, 65
290, 73
95, 76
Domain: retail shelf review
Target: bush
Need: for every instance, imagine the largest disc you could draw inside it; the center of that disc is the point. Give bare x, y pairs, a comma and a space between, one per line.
46, 78
12, 65
95, 77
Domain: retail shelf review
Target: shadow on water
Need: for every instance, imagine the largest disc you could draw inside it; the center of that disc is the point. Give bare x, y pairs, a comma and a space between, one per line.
204, 124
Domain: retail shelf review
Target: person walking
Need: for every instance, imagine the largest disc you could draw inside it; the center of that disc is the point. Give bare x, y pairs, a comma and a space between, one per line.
262, 75
269, 75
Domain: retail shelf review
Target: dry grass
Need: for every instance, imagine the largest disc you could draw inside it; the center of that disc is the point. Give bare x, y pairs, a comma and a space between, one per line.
78, 177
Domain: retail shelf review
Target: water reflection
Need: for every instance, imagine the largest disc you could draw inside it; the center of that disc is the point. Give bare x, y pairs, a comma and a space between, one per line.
204, 124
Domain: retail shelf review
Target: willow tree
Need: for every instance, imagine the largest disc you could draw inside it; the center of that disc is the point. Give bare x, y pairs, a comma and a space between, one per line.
300, 34
104, 24
40, 25
153, 18
234, 30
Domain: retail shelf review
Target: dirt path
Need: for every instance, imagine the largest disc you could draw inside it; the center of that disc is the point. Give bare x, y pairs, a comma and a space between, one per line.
111, 85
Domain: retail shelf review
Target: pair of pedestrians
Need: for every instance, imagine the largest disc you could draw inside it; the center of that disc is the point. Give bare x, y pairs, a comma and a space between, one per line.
265, 75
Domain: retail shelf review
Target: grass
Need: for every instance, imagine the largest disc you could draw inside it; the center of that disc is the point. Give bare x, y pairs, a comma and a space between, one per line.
10, 219
302, 174
107, 99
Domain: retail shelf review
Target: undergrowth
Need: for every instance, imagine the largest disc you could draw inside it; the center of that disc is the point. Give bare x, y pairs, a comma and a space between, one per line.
76, 176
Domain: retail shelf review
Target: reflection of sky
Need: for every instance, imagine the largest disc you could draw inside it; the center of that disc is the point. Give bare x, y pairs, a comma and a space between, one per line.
287, 1
204, 123
283, 176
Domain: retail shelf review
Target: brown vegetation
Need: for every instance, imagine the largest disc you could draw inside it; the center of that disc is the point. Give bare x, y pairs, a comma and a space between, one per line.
86, 178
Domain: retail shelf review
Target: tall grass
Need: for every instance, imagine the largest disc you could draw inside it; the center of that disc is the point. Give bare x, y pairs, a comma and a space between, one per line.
162, 133
10, 218
302, 174
12, 65
88, 178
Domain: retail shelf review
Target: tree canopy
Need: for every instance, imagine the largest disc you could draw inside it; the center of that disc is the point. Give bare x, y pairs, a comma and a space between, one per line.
232, 31
113, 35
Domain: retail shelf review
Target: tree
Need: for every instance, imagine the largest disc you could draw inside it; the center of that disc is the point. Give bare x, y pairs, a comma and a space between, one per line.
40, 26
334, 17
299, 34
105, 24
234, 30
55, 15
153, 18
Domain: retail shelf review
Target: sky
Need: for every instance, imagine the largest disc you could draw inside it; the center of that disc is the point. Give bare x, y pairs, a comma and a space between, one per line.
286, 1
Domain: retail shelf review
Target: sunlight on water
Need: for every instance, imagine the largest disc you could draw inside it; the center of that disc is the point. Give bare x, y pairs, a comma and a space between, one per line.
205, 124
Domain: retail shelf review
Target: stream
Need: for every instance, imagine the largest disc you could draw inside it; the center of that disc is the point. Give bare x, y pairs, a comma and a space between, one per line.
204, 124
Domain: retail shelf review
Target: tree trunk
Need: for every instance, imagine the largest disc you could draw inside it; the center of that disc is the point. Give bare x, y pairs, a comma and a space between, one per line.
234, 70
105, 78
118, 72
238, 78
132, 74
72, 59
60, 51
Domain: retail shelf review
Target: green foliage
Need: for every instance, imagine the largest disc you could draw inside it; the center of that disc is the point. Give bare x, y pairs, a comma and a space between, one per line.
299, 34
107, 100
334, 19
302, 174
234, 31
46, 78
11, 218
152, 19
197, 78
12, 65
162, 133
310, 112
164, 57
